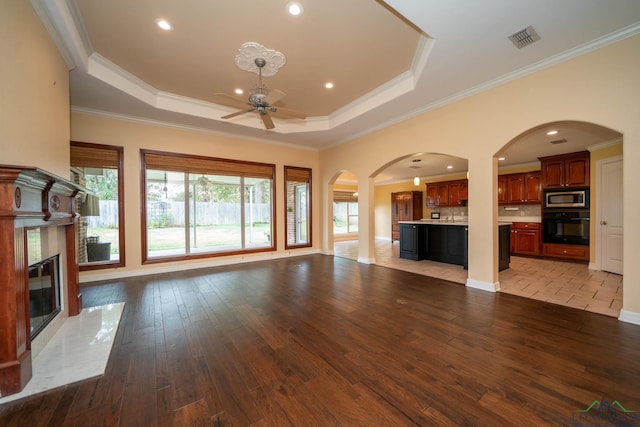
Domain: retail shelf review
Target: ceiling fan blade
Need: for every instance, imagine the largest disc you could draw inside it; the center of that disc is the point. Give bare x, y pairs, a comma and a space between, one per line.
275, 95
285, 113
229, 101
237, 113
266, 119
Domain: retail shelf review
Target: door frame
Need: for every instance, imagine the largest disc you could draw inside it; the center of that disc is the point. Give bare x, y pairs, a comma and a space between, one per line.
597, 264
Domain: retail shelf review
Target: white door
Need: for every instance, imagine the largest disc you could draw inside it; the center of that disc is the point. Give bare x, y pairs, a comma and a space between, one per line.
611, 230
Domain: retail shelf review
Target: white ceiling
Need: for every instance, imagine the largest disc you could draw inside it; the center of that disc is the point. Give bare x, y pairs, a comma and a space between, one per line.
389, 61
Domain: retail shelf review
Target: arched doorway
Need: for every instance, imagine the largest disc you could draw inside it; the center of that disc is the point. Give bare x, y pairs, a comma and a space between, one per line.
536, 270
413, 173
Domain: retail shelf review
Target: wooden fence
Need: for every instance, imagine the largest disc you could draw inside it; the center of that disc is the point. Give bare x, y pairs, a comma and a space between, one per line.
173, 214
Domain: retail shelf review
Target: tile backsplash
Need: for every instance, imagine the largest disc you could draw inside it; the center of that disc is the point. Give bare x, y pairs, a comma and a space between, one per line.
510, 211
520, 210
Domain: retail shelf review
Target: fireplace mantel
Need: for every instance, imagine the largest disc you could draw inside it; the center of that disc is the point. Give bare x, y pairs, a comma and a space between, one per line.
29, 198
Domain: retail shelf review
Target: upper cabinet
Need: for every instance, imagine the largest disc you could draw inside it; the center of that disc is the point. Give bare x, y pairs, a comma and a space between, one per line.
447, 193
564, 171
520, 188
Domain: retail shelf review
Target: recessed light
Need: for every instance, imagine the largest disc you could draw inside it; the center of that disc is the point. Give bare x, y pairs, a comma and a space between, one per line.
449, 167
164, 24
552, 132
328, 85
294, 8
239, 91
501, 158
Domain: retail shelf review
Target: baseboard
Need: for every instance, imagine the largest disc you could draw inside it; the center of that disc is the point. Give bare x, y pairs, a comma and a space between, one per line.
594, 266
169, 267
364, 260
485, 286
629, 317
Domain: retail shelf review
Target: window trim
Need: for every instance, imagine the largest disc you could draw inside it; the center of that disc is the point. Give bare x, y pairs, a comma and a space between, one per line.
121, 208
179, 162
303, 175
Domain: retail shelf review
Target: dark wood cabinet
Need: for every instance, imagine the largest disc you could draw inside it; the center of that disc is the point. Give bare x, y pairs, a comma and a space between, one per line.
458, 192
533, 187
405, 206
558, 250
565, 171
448, 243
520, 188
447, 193
525, 238
504, 249
502, 189
515, 188
413, 241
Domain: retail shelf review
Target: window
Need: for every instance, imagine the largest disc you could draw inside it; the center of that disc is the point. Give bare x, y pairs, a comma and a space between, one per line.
100, 231
201, 206
298, 206
345, 212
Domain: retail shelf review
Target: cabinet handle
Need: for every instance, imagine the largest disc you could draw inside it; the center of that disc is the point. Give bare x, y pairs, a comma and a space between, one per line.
564, 252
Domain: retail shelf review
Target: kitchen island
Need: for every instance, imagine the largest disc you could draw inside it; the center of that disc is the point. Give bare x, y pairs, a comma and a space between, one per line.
445, 241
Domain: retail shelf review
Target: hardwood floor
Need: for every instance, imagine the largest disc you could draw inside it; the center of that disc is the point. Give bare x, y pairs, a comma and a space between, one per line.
561, 282
320, 340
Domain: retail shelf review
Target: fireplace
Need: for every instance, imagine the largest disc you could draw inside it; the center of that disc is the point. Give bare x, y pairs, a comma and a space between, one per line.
44, 294
39, 274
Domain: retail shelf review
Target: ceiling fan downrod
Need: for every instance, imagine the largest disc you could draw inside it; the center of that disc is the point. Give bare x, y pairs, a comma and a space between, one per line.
259, 92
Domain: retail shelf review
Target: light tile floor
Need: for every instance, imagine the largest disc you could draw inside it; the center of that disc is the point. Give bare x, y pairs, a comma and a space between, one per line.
560, 282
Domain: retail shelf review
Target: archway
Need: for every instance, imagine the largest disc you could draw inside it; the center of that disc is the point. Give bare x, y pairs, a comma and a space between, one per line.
537, 270
398, 176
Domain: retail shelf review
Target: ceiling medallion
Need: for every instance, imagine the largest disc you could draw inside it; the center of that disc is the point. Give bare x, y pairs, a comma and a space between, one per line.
250, 51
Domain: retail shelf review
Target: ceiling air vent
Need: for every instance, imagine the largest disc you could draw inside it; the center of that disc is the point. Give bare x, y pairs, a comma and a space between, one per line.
558, 141
524, 37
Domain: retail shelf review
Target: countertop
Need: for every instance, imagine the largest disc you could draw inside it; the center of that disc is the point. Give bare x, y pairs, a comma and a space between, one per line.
436, 222
503, 220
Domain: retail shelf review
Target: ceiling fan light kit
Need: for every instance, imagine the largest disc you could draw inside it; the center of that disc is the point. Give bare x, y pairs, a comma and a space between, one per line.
256, 58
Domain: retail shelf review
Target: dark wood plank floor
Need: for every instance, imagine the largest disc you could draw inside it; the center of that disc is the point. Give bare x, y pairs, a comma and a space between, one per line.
324, 341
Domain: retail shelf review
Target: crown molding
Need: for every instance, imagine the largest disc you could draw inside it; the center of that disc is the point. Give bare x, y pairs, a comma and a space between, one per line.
172, 125
596, 44
605, 144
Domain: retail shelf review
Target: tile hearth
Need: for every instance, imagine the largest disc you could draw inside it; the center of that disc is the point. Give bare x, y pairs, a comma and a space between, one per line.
79, 350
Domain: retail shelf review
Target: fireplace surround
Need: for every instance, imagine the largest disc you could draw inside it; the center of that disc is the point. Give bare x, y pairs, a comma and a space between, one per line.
32, 199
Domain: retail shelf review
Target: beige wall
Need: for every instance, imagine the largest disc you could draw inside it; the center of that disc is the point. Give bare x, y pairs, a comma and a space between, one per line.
134, 136
600, 87
34, 88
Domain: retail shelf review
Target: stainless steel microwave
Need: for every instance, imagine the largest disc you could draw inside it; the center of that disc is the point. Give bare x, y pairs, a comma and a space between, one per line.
567, 199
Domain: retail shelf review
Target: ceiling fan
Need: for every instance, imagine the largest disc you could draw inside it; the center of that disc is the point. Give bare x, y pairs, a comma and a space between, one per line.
260, 101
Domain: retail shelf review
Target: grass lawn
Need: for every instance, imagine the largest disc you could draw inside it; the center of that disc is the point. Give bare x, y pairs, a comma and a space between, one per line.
168, 238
